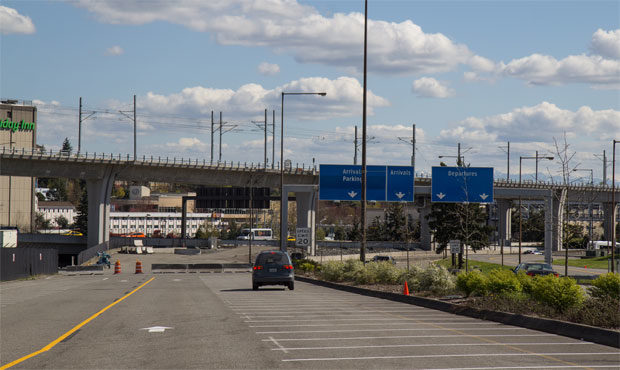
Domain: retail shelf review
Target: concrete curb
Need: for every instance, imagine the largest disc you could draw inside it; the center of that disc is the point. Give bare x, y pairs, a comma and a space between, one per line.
568, 329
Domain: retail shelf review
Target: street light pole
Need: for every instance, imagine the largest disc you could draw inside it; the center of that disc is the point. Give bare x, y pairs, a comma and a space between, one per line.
363, 195
284, 197
613, 208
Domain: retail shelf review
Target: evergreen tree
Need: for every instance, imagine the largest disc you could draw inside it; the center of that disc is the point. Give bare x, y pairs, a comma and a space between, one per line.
40, 222
66, 146
397, 228
62, 222
81, 221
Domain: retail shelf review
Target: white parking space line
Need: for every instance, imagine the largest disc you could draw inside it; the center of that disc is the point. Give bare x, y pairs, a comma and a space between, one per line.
361, 358
323, 311
393, 322
392, 329
408, 336
425, 345
327, 315
280, 348
375, 318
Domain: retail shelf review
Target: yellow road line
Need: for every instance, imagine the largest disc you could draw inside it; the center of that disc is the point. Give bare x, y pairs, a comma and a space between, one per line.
518, 349
73, 330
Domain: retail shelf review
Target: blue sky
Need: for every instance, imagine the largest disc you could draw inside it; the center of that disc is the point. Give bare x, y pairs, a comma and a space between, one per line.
479, 73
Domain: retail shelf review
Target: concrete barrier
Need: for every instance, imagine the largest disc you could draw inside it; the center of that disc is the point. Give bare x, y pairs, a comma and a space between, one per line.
593, 334
163, 268
82, 270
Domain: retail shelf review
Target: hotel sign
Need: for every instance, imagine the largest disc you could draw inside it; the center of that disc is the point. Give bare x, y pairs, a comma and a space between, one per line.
22, 125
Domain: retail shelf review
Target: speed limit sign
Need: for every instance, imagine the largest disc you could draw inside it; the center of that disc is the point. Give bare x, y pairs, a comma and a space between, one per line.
302, 236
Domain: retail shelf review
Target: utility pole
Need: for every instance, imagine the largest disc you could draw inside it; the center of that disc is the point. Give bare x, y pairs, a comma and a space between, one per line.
273, 140
80, 128
363, 195
135, 130
355, 147
604, 159
211, 137
265, 137
413, 147
220, 137
508, 164
460, 163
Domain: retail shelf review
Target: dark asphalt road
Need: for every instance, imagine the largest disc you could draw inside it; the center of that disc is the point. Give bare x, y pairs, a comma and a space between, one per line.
215, 320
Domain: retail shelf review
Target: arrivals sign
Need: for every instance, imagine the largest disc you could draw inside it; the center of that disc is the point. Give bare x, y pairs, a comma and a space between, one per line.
22, 125
383, 183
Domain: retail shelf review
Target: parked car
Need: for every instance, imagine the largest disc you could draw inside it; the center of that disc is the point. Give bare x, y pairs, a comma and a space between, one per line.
273, 268
72, 233
535, 268
533, 251
384, 259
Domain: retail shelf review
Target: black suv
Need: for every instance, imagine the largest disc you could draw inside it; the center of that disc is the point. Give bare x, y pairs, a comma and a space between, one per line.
273, 268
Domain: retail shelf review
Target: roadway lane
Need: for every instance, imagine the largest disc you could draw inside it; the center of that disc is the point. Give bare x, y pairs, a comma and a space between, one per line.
217, 321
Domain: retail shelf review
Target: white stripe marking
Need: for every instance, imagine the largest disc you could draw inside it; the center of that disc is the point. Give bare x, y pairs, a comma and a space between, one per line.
409, 336
363, 324
280, 348
367, 318
482, 355
428, 345
391, 329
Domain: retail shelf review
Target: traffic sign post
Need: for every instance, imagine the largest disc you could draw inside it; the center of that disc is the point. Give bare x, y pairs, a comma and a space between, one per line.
455, 248
302, 236
462, 185
383, 183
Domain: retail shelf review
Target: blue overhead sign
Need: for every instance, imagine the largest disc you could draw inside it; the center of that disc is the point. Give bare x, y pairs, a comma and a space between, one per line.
383, 183
462, 185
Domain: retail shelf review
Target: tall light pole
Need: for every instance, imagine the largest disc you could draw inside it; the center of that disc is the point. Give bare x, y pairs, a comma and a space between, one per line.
589, 203
363, 195
282, 195
520, 212
613, 208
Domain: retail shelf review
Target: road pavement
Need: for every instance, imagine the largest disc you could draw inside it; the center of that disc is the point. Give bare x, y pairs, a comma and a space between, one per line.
215, 321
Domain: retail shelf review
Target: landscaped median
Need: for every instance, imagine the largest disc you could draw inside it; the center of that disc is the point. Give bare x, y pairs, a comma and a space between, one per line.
549, 304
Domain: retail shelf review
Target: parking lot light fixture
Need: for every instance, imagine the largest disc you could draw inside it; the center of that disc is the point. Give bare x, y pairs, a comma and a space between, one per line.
282, 195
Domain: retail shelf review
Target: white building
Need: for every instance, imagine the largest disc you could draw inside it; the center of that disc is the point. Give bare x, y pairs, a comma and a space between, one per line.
52, 210
149, 222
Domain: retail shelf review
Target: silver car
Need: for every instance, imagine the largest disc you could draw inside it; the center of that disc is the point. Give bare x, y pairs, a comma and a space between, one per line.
273, 268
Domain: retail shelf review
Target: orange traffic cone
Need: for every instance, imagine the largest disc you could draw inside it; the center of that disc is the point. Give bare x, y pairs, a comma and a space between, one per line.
138, 267
406, 289
117, 267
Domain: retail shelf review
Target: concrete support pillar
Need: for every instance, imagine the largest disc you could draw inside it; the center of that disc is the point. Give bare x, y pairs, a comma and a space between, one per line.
558, 207
609, 220
549, 227
425, 230
99, 192
307, 197
504, 214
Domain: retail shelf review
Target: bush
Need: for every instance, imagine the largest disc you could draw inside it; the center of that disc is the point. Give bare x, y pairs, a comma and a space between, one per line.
385, 272
503, 282
472, 282
527, 282
306, 265
601, 312
606, 285
559, 293
332, 271
436, 279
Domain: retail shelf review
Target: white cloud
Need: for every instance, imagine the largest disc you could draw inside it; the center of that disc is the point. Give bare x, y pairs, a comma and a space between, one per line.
428, 87
606, 43
289, 27
344, 97
114, 50
268, 69
601, 69
13, 22
539, 123
187, 143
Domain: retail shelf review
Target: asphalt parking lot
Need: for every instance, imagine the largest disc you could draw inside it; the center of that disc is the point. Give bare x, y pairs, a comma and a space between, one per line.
216, 320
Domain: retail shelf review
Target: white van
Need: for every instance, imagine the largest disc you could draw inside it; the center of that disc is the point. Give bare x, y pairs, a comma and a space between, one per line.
255, 234
598, 244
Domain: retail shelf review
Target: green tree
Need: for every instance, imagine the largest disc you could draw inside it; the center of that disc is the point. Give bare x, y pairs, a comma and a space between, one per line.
41, 197
205, 231
340, 233
376, 230
81, 221
465, 222
355, 234
320, 234
40, 222
66, 146
397, 228
58, 190
62, 222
